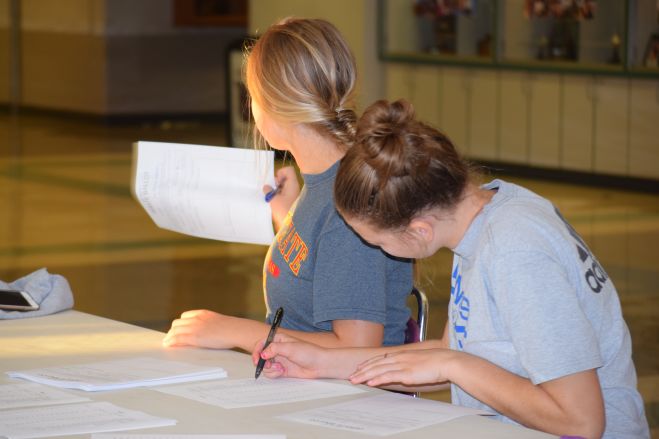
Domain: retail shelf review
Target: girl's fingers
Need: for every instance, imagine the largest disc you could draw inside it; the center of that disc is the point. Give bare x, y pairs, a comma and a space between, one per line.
273, 370
177, 340
373, 371
256, 353
385, 378
282, 348
190, 313
387, 357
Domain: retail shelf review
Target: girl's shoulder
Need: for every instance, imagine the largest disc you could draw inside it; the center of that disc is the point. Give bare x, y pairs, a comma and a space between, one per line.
520, 220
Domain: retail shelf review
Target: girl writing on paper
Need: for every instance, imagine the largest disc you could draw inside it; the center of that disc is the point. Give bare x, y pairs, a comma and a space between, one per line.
335, 289
535, 332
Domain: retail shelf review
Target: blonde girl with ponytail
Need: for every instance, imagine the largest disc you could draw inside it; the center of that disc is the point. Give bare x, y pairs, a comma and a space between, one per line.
336, 290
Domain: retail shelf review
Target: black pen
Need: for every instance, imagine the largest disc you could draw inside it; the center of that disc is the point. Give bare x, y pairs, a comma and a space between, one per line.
271, 335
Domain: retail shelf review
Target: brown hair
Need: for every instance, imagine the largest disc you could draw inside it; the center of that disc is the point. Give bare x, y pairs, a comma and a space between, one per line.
302, 71
398, 168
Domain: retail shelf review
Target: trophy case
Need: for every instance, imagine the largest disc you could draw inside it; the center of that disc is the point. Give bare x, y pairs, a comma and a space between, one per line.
591, 36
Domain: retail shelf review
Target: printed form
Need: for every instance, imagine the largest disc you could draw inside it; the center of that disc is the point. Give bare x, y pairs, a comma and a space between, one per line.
382, 415
72, 419
205, 191
31, 395
231, 394
120, 374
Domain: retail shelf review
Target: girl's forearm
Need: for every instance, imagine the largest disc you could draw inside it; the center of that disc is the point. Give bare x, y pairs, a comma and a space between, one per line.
245, 333
343, 362
566, 411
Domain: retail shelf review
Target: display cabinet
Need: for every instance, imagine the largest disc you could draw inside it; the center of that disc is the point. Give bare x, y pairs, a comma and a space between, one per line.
609, 37
527, 83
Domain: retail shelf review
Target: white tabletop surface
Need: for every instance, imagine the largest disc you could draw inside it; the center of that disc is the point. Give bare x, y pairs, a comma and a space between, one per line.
73, 337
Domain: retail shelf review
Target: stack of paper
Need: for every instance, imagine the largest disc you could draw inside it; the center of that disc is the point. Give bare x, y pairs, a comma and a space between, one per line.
120, 374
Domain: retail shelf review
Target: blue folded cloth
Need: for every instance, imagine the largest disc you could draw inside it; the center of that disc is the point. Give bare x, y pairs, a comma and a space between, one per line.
51, 291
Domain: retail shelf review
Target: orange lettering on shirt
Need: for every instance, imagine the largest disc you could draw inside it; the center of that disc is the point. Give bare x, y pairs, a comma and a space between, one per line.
295, 245
299, 258
291, 246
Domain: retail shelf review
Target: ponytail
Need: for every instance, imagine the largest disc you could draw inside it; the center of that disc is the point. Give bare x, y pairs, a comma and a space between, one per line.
302, 71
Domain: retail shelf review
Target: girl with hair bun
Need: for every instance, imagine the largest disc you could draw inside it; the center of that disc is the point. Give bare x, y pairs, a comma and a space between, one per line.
535, 332
335, 290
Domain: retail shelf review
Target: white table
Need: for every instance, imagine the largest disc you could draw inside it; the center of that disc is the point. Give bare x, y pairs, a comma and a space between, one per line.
73, 337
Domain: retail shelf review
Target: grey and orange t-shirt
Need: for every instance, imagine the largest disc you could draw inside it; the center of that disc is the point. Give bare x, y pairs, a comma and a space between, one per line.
319, 270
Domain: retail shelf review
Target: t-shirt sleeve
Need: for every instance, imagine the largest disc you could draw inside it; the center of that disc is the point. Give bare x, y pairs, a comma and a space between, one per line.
350, 279
540, 308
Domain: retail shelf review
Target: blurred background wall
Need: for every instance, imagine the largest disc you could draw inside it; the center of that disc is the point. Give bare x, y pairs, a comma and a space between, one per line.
129, 58
115, 57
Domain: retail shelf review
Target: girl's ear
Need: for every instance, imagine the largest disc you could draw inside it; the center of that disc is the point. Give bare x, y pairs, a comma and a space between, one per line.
422, 229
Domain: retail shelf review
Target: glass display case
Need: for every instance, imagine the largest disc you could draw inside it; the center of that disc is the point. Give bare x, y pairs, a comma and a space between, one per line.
610, 37
425, 30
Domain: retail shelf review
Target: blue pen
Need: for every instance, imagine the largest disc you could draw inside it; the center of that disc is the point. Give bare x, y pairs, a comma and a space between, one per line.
270, 195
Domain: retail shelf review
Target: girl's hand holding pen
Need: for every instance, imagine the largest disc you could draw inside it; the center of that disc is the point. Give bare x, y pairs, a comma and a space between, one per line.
284, 194
289, 357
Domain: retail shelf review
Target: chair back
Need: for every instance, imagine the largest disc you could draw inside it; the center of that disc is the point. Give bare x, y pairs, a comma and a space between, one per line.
417, 328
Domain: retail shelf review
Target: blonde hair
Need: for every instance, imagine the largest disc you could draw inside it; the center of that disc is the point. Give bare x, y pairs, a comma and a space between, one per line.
302, 71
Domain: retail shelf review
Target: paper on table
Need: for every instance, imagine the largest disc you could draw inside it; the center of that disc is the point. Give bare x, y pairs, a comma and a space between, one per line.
120, 374
187, 436
72, 419
205, 191
382, 415
31, 395
230, 394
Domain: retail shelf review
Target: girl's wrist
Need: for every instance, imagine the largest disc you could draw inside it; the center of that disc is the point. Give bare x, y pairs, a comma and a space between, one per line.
451, 365
329, 367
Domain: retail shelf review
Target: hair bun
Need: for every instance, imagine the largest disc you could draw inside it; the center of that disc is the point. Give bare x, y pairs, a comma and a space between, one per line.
383, 119
386, 133
397, 168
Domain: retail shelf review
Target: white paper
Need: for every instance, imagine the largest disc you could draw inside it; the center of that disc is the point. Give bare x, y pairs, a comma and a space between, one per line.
31, 395
206, 191
248, 392
120, 374
186, 436
382, 415
72, 419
